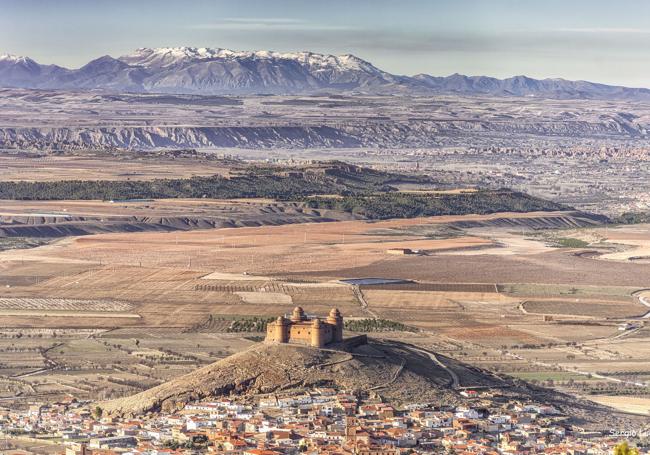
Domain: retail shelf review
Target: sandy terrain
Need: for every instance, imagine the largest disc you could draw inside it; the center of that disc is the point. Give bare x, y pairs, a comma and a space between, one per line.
632, 243
504, 243
635, 405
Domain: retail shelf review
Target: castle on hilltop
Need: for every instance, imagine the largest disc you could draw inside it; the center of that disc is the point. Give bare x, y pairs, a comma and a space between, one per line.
303, 330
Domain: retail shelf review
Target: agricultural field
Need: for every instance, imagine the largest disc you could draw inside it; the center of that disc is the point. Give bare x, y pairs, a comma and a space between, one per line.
54, 363
634, 405
62, 305
585, 308
44, 168
412, 300
542, 376
143, 307
573, 330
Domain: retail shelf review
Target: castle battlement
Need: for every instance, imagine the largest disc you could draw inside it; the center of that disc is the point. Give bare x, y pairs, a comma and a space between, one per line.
298, 328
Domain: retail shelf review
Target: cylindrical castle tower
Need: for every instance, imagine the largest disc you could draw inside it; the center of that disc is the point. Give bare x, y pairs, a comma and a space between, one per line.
317, 333
336, 320
279, 330
298, 315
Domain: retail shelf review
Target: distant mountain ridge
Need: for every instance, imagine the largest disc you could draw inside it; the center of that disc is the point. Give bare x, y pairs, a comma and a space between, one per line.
190, 70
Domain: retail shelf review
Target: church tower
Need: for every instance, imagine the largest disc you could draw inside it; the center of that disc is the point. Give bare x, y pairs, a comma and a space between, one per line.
351, 431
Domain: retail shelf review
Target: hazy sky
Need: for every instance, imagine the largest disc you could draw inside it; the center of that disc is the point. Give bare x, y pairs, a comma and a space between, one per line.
604, 41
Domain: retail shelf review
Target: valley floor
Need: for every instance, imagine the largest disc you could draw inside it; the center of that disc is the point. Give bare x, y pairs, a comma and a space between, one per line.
499, 298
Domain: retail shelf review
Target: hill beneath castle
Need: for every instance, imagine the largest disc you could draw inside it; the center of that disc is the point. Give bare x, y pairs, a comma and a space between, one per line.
397, 374
394, 372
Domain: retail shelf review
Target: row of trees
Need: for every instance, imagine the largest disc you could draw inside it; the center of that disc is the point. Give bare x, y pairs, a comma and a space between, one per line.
254, 324
633, 218
411, 205
216, 187
254, 181
376, 325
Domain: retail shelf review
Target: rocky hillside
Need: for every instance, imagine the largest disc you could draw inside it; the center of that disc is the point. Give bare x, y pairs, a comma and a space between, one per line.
231, 215
394, 372
64, 120
387, 134
399, 375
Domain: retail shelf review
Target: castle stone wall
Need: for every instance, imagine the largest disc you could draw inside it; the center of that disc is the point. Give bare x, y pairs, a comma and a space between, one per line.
302, 330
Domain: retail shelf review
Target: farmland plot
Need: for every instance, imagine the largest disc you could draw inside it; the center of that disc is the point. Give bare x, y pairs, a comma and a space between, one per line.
29, 303
584, 307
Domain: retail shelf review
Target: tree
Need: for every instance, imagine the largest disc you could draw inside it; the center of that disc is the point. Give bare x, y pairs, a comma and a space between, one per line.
624, 449
97, 412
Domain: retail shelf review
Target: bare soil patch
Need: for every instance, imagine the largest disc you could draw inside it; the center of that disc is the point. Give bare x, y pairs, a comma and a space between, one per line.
635, 405
265, 298
584, 307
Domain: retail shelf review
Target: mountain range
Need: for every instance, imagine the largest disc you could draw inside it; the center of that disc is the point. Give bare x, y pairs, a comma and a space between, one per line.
188, 70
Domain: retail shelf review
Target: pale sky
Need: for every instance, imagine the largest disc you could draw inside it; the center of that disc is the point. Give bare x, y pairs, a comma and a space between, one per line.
596, 40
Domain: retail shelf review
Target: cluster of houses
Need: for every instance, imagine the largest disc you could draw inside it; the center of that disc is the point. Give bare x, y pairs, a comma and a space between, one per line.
321, 421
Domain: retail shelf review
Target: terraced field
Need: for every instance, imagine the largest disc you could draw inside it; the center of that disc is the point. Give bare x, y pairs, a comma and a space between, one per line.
28, 303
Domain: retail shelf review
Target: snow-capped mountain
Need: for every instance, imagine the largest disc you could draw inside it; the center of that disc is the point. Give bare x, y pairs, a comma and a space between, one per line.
17, 59
203, 71
218, 71
171, 56
14, 69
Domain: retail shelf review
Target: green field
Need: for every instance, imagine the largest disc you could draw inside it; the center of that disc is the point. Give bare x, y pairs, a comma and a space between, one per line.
569, 242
